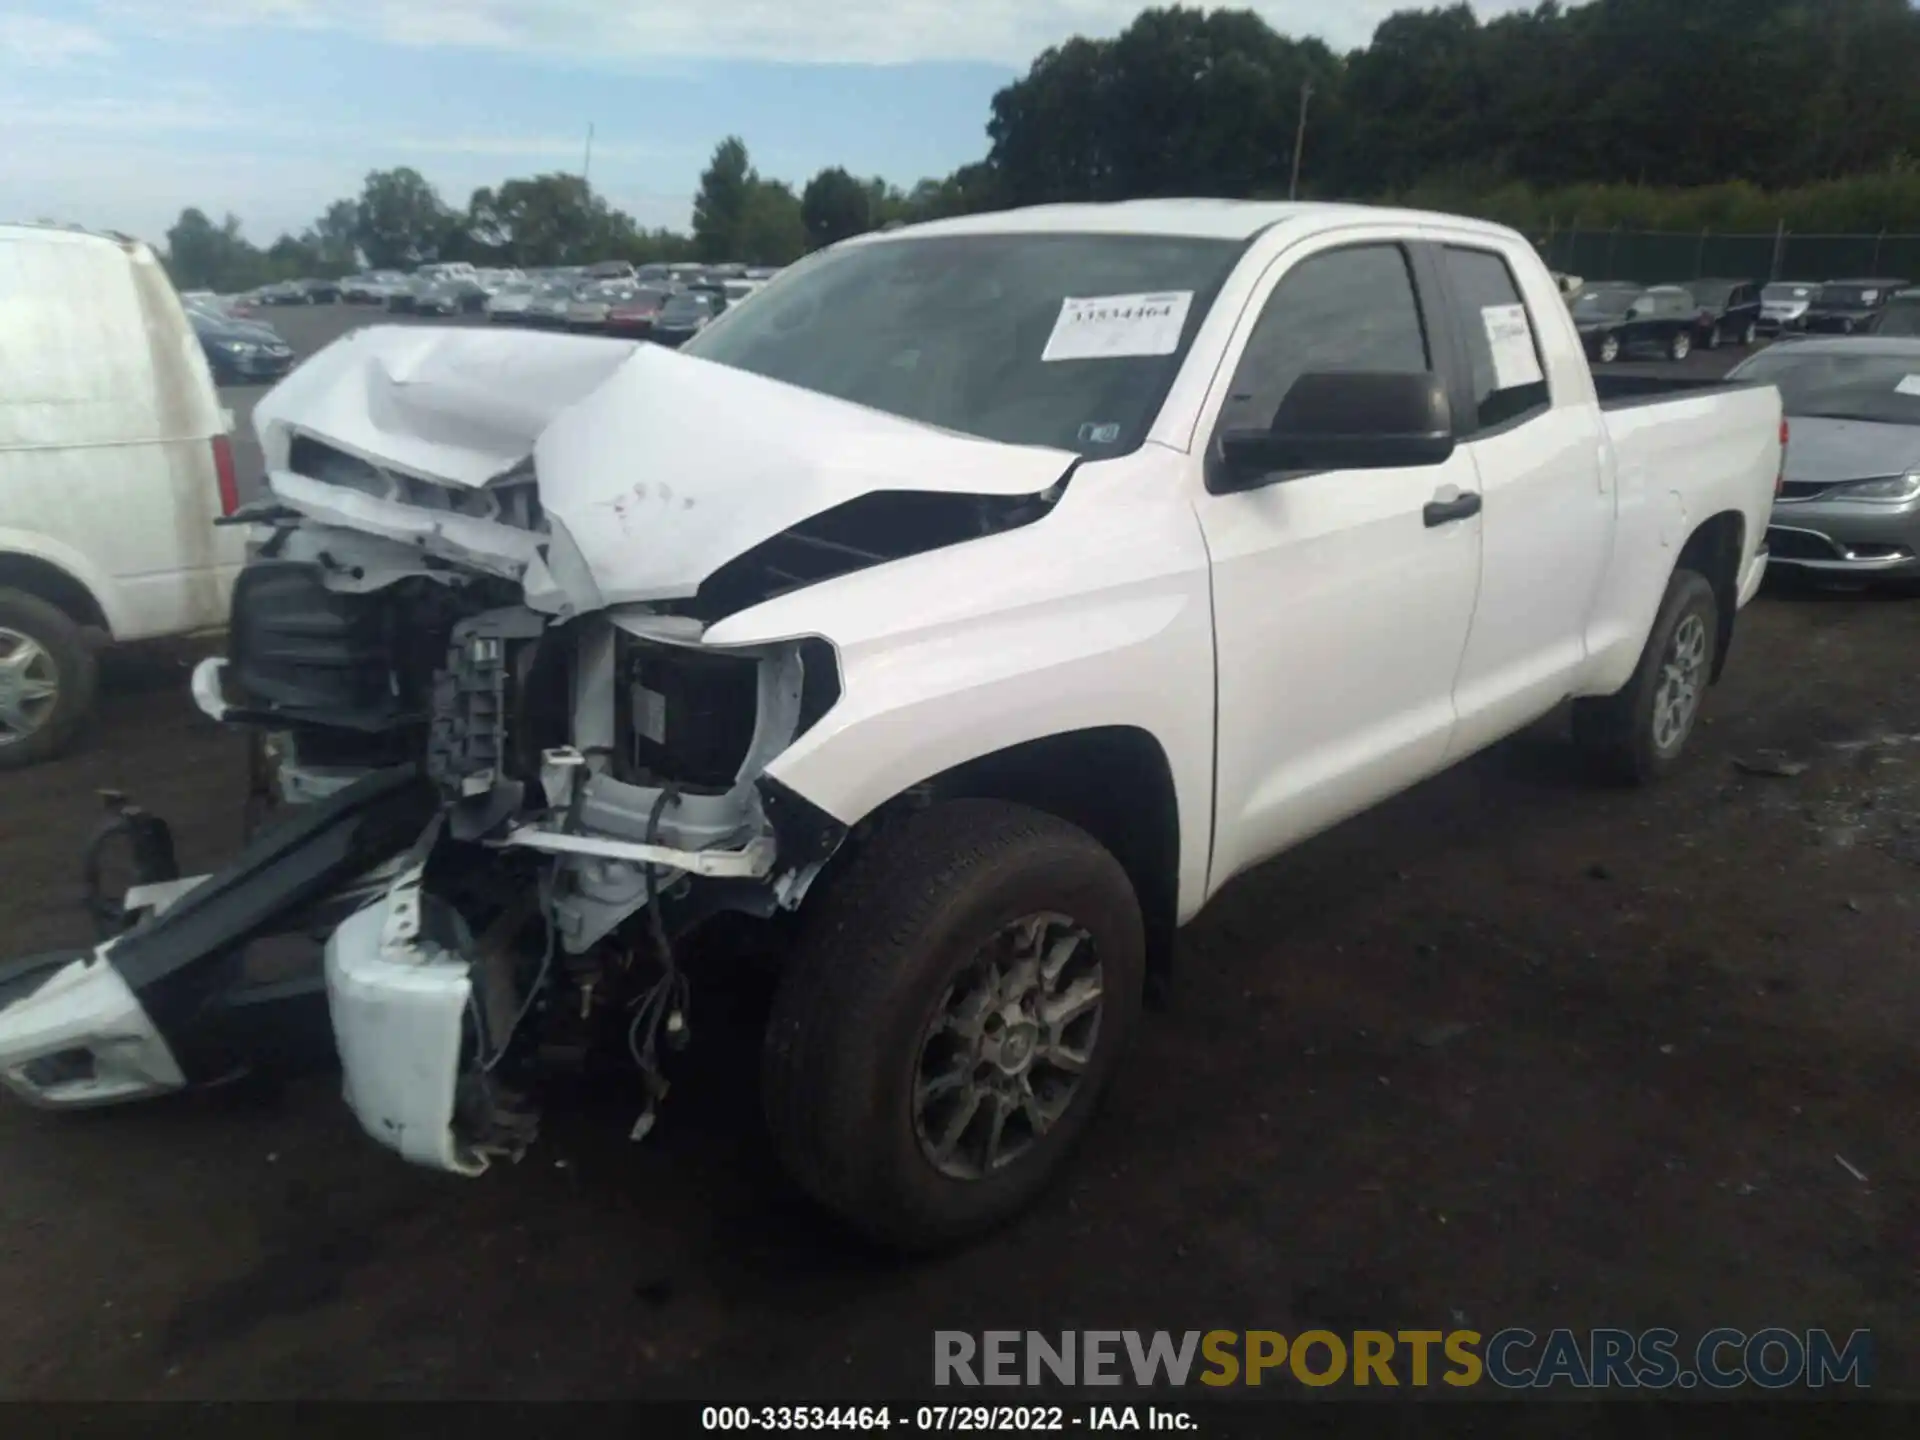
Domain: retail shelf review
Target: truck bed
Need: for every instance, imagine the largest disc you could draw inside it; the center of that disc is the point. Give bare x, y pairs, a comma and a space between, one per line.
1620, 392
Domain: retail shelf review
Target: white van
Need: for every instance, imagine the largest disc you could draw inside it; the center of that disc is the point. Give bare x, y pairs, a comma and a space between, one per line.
114, 464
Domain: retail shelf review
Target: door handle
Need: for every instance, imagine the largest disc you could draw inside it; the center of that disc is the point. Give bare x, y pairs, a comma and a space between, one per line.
1445, 512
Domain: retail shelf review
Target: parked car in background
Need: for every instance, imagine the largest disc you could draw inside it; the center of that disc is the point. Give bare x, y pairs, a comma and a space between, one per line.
320, 292
239, 352
1901, 318
1615, 320
449, 295
549, 303
509, 303
1849, 307
403, 296
683, 316
634, 315
114, 464
611, 270
283, 292
1849, 506
1728, 312
592, 302
1784, 305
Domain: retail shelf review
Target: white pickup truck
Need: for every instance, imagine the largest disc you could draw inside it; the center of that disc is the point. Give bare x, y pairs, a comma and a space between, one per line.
976, 604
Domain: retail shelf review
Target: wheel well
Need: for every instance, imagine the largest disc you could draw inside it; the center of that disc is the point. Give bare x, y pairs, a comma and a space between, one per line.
1114, 783
1714, 550
53, 585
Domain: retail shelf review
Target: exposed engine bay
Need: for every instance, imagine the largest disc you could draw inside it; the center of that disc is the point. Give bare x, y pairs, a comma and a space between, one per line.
471, 645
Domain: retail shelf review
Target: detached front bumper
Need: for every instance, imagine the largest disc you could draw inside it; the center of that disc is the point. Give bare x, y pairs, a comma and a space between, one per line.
169, 1003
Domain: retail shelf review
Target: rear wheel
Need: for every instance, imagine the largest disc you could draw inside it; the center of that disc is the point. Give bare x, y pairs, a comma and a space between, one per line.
1680, 346
1714, 338
943, 1033
1750, 334
1638, 733
1609, 349
47, 679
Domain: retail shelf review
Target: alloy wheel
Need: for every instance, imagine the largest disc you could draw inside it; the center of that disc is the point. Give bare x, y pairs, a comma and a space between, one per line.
1002, 1059
1676, 703
29, 686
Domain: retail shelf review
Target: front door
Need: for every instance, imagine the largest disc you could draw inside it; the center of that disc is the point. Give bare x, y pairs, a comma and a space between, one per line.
1341, 602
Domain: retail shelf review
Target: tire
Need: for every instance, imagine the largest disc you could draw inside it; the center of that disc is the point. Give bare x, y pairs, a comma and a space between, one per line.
1749, 335
1680, 346
31, 730
1625, 735
1714, 338
1846, 327
1608, 350
897, 943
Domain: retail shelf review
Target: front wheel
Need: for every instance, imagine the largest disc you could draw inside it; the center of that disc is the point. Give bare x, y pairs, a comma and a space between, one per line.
943, 1033
1680, 346
1609, 350
1750, 334
47, 679
1715, 339
1638, 734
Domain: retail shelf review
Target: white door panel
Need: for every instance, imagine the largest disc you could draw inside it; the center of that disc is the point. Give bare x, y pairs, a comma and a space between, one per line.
1339, 621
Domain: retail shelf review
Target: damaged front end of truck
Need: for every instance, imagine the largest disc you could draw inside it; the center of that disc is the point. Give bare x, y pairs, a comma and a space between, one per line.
505, 767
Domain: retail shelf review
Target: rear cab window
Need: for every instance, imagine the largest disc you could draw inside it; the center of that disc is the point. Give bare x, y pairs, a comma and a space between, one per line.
1500, 336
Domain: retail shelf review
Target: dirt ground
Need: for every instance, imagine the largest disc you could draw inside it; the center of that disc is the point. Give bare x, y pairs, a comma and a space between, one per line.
1510, 1050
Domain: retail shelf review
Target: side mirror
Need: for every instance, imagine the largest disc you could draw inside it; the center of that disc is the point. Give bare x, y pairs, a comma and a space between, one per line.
1344, 421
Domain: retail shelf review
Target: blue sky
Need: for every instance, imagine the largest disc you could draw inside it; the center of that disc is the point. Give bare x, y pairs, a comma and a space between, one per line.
119, 112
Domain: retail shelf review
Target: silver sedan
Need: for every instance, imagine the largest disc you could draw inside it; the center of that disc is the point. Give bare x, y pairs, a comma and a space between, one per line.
1849, 506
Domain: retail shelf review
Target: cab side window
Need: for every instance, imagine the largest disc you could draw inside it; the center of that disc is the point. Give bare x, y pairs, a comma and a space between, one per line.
1509, 377
1341, 310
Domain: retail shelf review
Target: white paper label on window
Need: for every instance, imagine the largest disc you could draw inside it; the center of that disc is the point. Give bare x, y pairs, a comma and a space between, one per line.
1909, 386
1510, 337
1108, 327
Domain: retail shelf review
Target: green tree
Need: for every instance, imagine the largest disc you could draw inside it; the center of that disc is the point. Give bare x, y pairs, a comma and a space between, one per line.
205, 256
335, 238
402, 221
772, 230
721, 202
554, 219
834, 206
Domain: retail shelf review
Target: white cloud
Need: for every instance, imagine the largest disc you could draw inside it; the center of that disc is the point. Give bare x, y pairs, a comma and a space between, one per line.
36, 40
1008, 32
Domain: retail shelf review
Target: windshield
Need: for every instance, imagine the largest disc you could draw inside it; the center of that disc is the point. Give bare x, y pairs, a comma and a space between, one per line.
1712, 294
685, 307
955, 331
1884, 389
1600, 304
1780, 294
1852, 296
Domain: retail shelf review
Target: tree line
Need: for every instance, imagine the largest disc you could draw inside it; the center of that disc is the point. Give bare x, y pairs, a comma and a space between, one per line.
1721, 114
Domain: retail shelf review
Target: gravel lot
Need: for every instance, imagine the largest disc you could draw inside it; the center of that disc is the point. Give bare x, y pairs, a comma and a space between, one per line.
1510, 1050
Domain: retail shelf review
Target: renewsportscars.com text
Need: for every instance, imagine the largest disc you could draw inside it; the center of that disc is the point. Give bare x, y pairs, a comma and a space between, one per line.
1510, 1359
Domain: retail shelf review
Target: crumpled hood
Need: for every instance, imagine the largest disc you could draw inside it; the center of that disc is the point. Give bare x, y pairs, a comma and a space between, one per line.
1830, 451
455, 406
654, 468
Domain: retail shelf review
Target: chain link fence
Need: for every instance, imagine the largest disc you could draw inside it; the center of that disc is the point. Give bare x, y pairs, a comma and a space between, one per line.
1652, 257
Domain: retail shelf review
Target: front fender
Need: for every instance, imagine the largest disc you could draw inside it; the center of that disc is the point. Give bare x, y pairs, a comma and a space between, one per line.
1098, 616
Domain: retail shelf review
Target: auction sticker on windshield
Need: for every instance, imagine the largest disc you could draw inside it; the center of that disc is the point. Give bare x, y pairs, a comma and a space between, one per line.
1909, 386
1510, 337
1109, 327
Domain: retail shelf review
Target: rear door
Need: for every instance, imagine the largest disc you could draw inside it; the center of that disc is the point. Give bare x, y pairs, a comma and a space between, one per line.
1537, 446
1341, 607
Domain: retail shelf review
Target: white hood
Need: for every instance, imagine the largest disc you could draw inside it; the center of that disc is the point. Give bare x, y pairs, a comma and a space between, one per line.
658, 467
